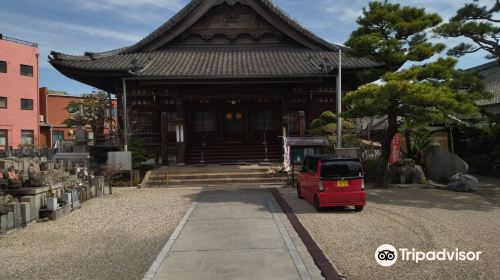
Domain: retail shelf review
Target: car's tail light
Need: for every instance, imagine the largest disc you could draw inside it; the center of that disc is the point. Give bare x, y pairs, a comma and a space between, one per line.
362, 184
321, 187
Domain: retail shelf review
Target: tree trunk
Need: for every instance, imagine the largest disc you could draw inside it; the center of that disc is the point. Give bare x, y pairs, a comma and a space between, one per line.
110, 183
409, 149
382, 168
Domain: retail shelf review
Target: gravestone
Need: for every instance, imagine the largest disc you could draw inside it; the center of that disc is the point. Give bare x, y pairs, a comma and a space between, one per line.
3, 222
25, 213
81, 141
31, 201
10, 220
98, 182
16, 212
4, 210
35, 177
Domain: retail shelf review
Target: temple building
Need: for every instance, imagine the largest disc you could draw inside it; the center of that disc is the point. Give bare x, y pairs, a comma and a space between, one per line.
221, 81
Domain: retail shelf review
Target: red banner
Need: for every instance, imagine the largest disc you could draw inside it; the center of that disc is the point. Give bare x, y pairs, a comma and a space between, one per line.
395, 148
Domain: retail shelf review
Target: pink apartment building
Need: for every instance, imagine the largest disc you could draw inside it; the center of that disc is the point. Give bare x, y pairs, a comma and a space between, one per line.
19, 110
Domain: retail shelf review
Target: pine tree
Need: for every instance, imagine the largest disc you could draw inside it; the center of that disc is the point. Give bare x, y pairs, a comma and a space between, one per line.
394, 35
481, 24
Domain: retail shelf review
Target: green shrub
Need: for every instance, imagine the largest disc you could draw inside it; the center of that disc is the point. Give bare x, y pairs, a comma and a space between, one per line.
481, 164
370, 167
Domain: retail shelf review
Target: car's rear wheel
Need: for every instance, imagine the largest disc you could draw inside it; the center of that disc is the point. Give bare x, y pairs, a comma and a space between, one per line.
316, 204
358, 208
299, 192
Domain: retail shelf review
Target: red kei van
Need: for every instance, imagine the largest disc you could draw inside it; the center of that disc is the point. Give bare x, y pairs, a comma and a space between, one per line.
329, 181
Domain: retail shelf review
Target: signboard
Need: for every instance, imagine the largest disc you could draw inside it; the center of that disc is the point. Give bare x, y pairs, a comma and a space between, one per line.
395, 148
297, 148
286, 155
120, 161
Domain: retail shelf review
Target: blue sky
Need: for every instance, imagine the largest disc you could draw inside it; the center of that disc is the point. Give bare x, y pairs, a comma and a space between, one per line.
77, 26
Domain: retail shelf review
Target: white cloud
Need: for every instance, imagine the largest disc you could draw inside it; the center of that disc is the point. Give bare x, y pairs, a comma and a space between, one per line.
100, 5
65, 37
46, 26
350, 10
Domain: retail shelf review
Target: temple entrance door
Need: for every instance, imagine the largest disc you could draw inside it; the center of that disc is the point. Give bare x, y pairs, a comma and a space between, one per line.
235, 125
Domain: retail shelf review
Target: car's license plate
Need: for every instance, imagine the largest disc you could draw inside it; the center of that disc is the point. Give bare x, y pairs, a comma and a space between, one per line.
342, 183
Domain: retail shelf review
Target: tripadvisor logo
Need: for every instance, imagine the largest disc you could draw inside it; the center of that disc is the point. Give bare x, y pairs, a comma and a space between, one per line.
387, 255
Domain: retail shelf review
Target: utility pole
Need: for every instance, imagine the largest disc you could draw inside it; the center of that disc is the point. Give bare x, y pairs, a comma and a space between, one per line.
125, 116
326, 67
339, 102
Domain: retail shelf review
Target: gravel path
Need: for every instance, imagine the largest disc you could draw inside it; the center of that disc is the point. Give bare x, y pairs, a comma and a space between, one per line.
424, 219
115, 237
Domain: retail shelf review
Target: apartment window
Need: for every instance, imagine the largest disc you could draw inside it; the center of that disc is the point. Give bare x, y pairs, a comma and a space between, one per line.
26, 70
27, 137
3, 102
3, 140
3, 66
26, 104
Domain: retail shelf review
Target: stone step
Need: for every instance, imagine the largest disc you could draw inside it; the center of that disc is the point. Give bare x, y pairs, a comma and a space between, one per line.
210, 170
225, 186
217, 181
210, 175
195, 160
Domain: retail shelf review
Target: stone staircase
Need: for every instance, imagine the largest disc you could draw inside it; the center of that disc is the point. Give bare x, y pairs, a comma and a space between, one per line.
212, 176
233, 152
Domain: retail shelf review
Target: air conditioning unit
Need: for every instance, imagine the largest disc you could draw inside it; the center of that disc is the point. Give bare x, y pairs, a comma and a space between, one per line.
41, 118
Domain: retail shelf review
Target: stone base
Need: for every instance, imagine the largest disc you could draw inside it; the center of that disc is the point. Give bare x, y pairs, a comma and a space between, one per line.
6, 222
16, 212
56, 214
76, 205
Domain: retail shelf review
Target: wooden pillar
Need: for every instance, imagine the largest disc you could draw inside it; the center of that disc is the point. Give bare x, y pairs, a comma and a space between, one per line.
302, 123
221, 118
181, 132
251, 122
164, 138
285, 118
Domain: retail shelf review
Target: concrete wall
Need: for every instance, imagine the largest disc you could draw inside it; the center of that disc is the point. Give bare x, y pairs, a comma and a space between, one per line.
14, 86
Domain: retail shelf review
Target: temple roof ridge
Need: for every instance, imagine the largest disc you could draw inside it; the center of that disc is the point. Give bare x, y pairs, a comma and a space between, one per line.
183, 15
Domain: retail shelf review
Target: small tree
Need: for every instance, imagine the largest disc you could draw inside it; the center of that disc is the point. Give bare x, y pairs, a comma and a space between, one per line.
139, 152
480, 24
421, 94
326, 125
394, 35
92, 110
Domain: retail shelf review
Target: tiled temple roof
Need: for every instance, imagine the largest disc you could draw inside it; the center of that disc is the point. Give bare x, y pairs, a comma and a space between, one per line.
220, 62
491, 77
168, 61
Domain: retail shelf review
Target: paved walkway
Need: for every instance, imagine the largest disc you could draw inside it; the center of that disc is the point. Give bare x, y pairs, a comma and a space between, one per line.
234, 234
489, 188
